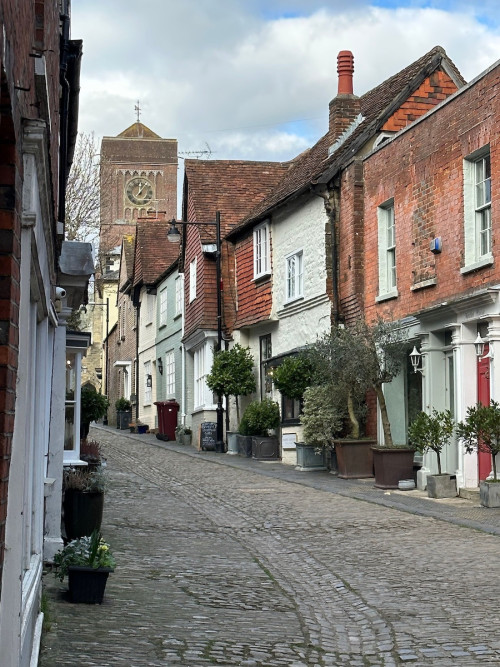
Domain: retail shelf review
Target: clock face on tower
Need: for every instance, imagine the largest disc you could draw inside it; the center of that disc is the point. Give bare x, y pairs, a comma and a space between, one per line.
139, 191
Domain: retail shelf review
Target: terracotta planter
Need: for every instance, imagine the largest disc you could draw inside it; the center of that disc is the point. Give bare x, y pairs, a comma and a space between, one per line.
489, 494
392, 465
354, 458
87, 584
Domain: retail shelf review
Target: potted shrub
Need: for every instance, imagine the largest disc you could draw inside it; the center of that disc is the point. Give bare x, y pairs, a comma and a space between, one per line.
94, 406
432, 432
258, 420
354, 360
83, 502
480, 431
232, 374
322, 422
123, 413
87, 562
293, 376
90, 452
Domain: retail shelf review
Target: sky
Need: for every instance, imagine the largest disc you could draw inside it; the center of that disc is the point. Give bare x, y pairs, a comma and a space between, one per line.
252, 79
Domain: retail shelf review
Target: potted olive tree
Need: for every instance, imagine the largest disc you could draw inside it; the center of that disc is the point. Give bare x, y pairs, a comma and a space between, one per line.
259, 419
232, 375
322, 421
480, 431
357, 359
432, 432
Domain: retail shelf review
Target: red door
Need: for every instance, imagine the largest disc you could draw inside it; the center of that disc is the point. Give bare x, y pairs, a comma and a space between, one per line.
483, 396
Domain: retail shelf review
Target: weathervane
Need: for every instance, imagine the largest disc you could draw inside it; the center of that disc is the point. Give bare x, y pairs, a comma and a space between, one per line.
137, 108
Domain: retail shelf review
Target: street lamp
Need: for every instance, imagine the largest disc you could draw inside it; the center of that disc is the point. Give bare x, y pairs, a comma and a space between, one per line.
173, 235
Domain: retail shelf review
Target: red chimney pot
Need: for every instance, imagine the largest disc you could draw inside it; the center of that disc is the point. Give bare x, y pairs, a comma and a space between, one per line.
345, 69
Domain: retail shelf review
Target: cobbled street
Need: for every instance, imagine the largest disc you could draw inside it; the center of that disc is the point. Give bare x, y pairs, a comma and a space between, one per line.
221, 562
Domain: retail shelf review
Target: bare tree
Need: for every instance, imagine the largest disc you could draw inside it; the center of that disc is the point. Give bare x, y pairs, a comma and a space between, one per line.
83, 192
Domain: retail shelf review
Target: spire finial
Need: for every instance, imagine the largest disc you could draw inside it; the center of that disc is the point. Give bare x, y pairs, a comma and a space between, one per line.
138, 109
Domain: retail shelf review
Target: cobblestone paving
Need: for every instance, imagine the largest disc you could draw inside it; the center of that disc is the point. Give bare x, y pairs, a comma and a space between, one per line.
230, 565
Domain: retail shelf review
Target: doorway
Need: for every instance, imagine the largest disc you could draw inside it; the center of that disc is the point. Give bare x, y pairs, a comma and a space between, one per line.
483, 397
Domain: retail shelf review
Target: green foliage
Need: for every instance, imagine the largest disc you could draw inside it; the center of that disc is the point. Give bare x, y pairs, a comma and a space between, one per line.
431, 432
74, 321
94, 405
357, 358
320, 416
85, 479
232, 372
260, 417
85, 551
123, 404
293, 376
480, 430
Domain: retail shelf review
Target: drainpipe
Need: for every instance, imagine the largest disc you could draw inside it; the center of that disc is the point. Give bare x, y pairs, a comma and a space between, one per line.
331, 200
64, 111
137, 361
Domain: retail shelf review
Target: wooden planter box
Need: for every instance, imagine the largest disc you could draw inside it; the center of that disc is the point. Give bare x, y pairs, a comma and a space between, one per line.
87, 584
392, 465
309, 458
354, 458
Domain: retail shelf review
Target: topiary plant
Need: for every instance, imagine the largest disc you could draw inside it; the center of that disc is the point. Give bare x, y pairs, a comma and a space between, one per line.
321, 419
293, 376
123, 404
480, 431
260, 417
431, 432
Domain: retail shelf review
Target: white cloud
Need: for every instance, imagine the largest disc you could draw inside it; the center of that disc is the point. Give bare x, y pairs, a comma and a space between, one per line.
222, 72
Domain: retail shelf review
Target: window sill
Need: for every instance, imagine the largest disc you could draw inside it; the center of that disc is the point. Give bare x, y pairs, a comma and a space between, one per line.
177, 315
423, 284
262, 277
480, 264
393, 294
293, 301
162, 326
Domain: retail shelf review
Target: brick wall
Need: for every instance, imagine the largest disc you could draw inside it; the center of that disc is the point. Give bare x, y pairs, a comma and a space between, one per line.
423, 171
27, 28
254, 296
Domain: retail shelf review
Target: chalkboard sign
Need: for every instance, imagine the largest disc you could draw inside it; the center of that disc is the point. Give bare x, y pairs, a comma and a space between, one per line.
208, 435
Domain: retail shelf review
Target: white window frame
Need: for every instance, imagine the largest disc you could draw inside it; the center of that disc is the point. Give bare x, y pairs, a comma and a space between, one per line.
192, 280
148, 391
163, 307
294, 276
387, 275
477, 210
261, 251
170, 373
202, 363
150, 303
179, 295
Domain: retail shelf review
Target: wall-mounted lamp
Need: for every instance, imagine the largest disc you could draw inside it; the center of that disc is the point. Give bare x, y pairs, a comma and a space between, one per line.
149, 380
415, 358
160, 366
479, 345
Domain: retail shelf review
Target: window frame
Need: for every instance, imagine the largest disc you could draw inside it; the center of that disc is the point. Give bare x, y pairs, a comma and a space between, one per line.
387, 251
163, 307
192, 279
169, 373
179, 295
475, 256
203, 398
261, 251
298, 276
148, 391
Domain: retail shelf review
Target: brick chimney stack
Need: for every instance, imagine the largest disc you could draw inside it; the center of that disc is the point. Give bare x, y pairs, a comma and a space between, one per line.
345, 107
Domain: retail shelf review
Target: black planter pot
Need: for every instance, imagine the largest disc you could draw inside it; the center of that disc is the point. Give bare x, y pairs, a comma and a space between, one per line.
87, 584
82, 512
265, 448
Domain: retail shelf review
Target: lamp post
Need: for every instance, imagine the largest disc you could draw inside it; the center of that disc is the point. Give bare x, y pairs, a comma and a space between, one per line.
173, 236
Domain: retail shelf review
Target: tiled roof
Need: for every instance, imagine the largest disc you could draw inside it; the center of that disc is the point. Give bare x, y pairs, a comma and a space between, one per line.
127, 261
153, 253
316, 166
139, 130
233, 187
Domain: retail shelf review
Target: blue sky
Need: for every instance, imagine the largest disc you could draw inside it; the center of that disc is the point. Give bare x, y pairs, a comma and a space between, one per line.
253, 78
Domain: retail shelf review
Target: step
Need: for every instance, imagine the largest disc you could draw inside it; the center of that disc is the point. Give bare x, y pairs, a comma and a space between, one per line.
469, 494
